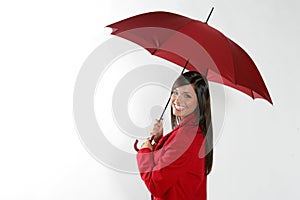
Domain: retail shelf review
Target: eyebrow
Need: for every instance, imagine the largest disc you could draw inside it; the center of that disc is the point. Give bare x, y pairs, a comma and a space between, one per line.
185, 92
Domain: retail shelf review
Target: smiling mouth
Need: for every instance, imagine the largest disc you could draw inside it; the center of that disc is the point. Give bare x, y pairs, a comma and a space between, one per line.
179, 108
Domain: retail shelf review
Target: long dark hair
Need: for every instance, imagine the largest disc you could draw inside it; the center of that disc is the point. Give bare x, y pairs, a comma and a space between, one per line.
203, 111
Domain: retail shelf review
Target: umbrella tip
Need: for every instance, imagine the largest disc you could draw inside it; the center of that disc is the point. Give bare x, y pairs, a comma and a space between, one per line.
209, 15
186, 63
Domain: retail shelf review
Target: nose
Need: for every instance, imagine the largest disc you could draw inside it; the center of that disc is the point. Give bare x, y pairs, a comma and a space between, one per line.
178, 99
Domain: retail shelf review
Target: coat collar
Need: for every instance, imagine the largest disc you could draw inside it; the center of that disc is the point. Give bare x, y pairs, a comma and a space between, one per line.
190, 120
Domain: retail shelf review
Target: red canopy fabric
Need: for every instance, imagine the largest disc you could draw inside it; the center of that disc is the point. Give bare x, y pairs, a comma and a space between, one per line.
178, 38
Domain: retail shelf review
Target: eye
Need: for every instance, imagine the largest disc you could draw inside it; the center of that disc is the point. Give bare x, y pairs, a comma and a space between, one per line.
174, 92
187, 96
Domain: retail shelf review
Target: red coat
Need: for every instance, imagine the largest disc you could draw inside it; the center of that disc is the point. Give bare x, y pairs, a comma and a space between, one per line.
174, 170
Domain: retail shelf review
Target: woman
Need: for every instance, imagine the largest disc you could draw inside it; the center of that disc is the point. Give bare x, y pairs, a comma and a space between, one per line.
177, 166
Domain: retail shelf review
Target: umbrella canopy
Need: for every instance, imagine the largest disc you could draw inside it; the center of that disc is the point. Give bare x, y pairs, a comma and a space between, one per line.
178, 38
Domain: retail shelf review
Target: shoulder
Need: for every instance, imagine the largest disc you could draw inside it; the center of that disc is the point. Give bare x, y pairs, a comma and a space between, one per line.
184, 136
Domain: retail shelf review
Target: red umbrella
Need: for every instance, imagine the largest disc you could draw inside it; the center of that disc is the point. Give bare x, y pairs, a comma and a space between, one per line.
196, 46
178, 38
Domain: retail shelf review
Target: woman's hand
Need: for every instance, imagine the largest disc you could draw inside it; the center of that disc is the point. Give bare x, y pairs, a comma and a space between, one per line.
147, 144
157, 130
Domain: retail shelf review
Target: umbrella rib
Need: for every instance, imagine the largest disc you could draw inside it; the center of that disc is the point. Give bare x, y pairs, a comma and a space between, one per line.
174, 30
154, 51
234, 70
206, 72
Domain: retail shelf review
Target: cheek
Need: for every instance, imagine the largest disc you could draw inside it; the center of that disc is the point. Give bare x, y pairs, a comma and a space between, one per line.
172, 99
193, 104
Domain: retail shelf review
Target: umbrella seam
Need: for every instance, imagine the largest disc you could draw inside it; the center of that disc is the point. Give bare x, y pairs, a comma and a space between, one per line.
178, 30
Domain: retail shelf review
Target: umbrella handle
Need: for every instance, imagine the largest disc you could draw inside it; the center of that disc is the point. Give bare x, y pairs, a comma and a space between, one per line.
136, 142
135, 145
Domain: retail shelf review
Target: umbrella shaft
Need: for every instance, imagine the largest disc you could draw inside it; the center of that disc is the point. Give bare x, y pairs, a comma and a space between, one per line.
161, 117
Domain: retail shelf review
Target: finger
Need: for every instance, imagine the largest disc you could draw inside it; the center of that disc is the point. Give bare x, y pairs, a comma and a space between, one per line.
157, 128
157, 123
156, 132
161, 122
151, 138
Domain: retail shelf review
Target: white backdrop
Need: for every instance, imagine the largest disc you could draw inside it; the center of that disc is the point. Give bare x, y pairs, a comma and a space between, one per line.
43, 46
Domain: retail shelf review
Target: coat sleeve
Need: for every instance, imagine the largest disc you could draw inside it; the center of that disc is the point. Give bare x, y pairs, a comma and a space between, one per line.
173, 161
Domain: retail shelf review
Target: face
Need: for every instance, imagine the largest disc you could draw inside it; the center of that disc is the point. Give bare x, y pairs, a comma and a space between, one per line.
184, 101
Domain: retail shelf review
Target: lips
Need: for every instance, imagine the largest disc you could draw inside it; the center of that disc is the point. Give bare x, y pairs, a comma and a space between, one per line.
179, 108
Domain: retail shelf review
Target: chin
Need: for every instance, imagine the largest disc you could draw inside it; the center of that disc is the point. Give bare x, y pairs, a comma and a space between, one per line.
179, 114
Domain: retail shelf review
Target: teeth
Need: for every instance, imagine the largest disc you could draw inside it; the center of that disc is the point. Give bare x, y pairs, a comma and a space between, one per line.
179, 107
